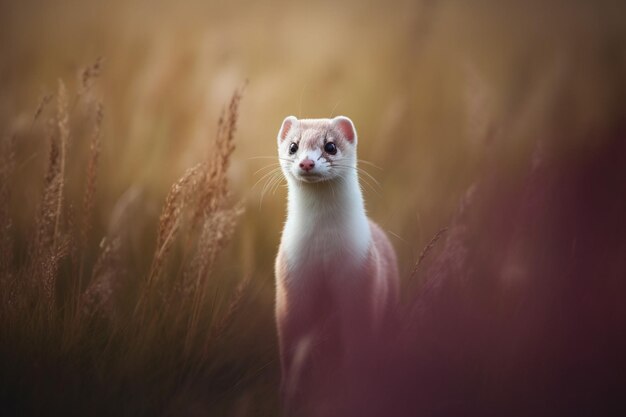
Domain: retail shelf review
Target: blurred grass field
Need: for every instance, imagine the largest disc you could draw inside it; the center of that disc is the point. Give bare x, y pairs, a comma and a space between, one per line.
434, 88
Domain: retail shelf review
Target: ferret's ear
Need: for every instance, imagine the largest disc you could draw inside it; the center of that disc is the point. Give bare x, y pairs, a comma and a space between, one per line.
287, 125
345, 126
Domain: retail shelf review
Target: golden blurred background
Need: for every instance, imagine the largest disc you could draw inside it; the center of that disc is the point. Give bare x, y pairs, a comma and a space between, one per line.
430, 86
435, 88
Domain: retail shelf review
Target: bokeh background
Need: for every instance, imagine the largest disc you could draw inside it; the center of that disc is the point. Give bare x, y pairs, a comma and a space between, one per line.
437, 90
429, 85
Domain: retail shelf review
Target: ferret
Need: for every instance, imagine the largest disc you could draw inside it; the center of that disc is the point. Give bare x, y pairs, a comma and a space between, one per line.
336, 271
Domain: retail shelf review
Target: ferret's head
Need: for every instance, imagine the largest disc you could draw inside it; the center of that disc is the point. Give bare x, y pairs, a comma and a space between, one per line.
316, 150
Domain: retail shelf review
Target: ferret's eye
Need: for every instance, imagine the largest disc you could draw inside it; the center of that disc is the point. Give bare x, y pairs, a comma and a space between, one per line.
330, 148
293, 148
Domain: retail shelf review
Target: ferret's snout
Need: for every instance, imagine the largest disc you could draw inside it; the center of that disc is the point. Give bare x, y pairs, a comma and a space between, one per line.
307, 164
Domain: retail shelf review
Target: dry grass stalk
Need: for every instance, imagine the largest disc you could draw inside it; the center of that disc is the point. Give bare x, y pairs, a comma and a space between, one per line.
216, 233
42, 242
235, 302
88, 75
215, 191
89, 196
45, 252
47, 98
92, 175
50, 268
107, 272
427, 249
46, 220
111, 273
218, 221
171, 217
7, 167
64, 135
71, 224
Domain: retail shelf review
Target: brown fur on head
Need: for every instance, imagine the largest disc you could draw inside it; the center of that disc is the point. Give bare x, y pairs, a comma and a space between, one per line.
315, 150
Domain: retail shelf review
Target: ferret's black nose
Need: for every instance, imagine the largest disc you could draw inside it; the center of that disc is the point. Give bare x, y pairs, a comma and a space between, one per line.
307, 165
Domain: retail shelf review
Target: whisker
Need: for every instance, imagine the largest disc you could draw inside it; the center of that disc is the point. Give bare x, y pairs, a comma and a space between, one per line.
361, 171
334, 164
263, 191
278, 184
272, 171
270, 157
272, 165
366, 186
266, 175
364, 179
363, 161
268, 186
370, 176
270, 182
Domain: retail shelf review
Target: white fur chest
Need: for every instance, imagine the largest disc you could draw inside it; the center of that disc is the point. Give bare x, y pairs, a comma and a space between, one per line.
326, 229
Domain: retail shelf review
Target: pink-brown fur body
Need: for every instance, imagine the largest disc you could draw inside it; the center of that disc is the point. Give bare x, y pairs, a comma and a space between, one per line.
336, 272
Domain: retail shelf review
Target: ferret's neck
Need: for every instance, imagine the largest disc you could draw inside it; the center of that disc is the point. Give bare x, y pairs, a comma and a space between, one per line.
329, 201
325, 222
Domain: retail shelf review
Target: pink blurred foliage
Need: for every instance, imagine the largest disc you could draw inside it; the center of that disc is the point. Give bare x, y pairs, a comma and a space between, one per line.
520, 309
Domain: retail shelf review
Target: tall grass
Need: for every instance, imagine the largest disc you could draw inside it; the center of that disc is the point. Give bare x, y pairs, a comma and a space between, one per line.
87, 337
